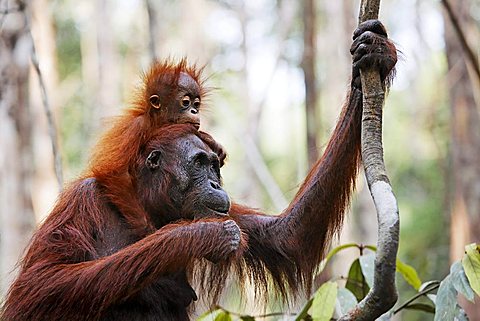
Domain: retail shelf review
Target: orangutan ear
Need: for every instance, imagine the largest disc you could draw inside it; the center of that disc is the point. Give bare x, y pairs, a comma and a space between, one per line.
155, 101
153, 159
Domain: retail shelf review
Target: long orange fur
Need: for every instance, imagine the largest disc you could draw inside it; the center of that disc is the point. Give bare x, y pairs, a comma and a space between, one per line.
67, 273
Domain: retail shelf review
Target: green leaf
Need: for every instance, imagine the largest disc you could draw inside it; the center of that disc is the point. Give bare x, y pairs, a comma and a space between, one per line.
247, 318
303, 314
323, 303
421, 307
367, 263
209, 315
446, 301
332, 253
409, 274
460, 282
471, 264
346, 300
223, 316
356, 281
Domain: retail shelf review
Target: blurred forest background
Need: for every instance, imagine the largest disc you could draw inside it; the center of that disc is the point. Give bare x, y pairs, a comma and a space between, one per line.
281, 70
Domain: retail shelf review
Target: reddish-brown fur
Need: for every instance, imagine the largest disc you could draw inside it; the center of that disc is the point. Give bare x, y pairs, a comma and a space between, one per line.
94, 260
129, 131
85, 261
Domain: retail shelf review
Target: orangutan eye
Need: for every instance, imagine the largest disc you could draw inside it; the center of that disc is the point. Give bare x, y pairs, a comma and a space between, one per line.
186, 101
200, 160
198, 163
196, 103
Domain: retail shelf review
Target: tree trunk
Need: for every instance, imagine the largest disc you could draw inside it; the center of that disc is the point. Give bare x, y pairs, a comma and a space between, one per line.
45, 185
108, 94
153, 30
16, 161
309, 70
465, 147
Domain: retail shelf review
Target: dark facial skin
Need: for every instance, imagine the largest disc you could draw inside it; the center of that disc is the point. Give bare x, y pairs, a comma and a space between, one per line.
196, 186
189, 98
185, 106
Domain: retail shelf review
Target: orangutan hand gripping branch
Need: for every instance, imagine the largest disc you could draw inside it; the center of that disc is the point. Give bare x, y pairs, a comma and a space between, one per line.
123, 242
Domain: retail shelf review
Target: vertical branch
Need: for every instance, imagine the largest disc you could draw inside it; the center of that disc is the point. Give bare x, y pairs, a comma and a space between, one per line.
383, 294
308, 66
52, 128
461, 36
153, 29
17, 217
463, 92
108, 71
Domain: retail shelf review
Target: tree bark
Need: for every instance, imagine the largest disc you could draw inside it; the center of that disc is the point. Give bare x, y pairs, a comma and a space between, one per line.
465, 146
153, 31
45, 184
16, 157
383, 294
108, 93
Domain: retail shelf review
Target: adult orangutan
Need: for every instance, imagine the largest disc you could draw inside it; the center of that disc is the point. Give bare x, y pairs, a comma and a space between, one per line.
86, 262
171, 93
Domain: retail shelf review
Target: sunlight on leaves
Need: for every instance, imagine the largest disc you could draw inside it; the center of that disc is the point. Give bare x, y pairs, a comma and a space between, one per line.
223, 316
471, 264
323, 303
303, 314
210, 315
332, 253
409, 274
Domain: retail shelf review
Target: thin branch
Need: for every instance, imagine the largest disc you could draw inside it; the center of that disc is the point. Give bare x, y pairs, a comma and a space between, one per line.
153, 29
52, 129
416, 296
383, 294
461, 36
260, 316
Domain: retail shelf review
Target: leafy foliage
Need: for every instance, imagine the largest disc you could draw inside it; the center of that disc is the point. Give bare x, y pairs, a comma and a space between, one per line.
409, 274
331, 300
471, 264
323, 303
356, 281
